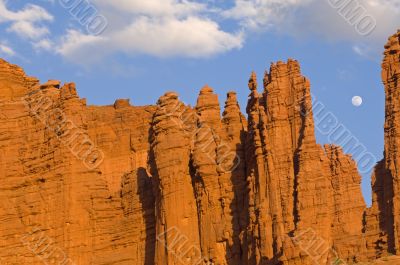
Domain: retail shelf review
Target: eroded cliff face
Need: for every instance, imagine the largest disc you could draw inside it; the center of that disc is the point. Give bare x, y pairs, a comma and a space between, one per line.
301, 192
391, 77
54, 190
173, 184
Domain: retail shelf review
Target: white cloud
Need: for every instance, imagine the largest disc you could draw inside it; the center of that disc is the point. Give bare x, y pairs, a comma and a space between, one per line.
316, 18
316, 15
161, 28
44, 44
82, 48
32, 13
194, 28
192, 37
257, 14
26, 29
6, 50
26, 23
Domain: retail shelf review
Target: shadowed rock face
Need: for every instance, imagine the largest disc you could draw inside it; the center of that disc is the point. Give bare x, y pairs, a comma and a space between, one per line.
171, 184
300, 190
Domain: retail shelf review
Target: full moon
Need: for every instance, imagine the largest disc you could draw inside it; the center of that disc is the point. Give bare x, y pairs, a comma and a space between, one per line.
357, 101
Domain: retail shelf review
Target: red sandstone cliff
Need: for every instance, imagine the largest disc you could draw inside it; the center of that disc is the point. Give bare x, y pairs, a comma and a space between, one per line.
171, 184
300, 190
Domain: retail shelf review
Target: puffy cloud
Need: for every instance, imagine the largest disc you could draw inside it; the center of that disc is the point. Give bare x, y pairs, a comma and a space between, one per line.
26, 29
32, 13
327, 18
331, 20
44, 44
82, 48
191, 37
26, 22
262, 14
161, 28
193, 28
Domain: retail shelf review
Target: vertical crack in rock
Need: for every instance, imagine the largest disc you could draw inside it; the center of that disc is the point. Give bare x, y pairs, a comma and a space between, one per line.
179, 185
177, 221
391, 77
294, 181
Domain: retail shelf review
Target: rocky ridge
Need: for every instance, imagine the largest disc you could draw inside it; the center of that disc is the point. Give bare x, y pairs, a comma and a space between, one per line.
173, 184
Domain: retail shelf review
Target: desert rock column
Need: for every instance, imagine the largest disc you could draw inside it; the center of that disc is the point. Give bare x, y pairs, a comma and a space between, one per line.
218, 163
296, 186
176, 213
390, 78
349, 205
232, 163
261, 205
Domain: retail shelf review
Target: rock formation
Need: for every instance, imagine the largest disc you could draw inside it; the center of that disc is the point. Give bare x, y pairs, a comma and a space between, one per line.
301, 190
176, 185
384, 231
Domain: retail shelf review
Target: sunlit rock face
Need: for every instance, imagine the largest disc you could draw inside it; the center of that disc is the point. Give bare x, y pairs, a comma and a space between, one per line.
174, 184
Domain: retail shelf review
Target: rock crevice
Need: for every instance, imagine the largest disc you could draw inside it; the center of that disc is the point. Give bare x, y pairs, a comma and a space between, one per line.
172, 184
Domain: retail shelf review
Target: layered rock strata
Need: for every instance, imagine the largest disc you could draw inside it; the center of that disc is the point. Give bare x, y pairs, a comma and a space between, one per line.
173, 184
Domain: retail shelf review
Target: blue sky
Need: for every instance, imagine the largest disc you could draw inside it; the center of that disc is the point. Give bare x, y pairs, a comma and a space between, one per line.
153, 46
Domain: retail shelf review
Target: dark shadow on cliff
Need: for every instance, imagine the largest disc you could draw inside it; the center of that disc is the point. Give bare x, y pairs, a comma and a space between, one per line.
236, 252
239, 206
152, 190
382, 186
147, 199
304, 113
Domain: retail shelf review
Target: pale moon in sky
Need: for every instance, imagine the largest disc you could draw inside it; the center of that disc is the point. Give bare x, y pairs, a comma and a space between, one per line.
357, 101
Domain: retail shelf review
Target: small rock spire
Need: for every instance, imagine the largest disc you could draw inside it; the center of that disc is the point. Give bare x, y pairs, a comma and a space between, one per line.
232, 109
253, 81
208, 107
267, 79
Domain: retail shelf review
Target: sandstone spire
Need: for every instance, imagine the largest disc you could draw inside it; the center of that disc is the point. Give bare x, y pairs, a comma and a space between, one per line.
174, 189
285, 158
387, 177
181, 185
218, 160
